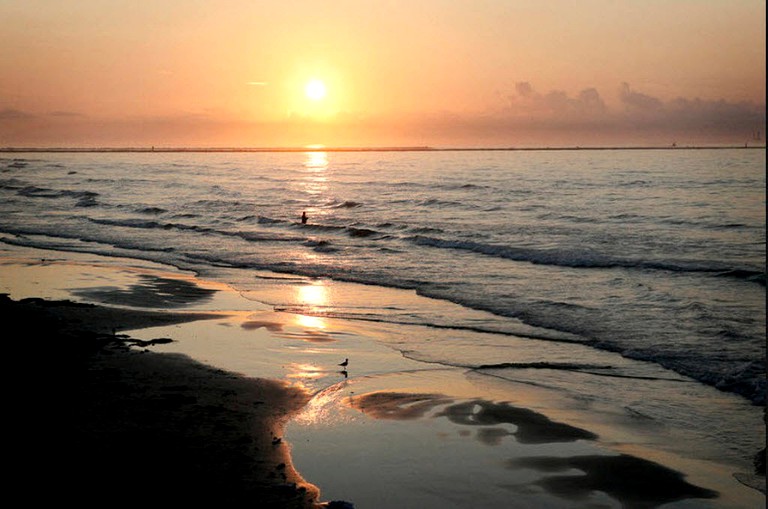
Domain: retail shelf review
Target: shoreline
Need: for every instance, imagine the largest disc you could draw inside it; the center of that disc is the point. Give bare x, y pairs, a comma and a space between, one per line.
385, 396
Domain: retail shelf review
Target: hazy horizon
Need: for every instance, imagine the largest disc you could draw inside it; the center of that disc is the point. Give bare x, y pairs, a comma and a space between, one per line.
486, 74
372, 148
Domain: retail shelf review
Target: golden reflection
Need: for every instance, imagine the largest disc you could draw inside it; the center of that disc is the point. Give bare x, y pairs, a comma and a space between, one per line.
316, 182
325, 406
313, 296
316, 161
305, 371
310, 322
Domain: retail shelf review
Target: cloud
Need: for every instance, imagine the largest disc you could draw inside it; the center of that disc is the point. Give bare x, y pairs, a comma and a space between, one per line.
555, 104
634, 114
524, 89
638, 102
66, 114
523, 116
12, 114
591, 99
258, 83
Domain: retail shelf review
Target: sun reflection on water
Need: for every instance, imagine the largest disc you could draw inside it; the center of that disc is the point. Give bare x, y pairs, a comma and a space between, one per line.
325, 407
314, 295
305, 371
310, 322
314, 298
316, 161
315, 181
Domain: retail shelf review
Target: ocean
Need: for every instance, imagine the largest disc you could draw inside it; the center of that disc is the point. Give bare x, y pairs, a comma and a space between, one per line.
628, 285
658, 255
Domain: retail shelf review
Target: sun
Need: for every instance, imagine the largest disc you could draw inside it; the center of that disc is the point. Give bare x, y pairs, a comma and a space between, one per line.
315, 89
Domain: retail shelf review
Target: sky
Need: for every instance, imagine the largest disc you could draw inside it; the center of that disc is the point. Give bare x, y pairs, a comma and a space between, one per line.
441, 73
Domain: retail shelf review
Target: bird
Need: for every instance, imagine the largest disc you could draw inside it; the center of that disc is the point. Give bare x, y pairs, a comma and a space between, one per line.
345, 363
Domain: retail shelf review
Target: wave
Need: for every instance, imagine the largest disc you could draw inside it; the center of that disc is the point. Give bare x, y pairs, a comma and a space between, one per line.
319, 228
583, 259
635, 183
209, 204
426, 229
18, 164
349, 204
44, 192
150, 224
702, 223
361, 232
747, 275
592, 369
321, 246
457, 186
552, 257
151, 211
87, 201
437, 203
628, 218
268, 220
250, 236
351, 231
84, 198
12, 184
570, 218
542, 365
747, 379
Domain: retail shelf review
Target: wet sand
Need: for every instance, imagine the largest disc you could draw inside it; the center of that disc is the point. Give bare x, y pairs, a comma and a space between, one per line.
108, 416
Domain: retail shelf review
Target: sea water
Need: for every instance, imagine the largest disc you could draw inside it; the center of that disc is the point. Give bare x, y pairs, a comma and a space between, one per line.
627, 284
658, 255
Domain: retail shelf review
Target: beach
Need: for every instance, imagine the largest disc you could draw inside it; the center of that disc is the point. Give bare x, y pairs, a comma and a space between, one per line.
376, 255
466, 329
105, 419
164, 387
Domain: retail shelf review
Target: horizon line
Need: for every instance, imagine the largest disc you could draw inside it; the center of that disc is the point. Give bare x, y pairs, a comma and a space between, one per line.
316, 148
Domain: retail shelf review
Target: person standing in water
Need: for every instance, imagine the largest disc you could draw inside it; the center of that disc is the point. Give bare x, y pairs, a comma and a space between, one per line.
303, 218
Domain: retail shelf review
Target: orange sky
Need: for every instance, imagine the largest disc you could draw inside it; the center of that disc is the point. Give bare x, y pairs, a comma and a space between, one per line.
397, 72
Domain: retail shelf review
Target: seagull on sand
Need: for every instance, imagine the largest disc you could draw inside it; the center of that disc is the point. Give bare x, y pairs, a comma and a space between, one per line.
345, 363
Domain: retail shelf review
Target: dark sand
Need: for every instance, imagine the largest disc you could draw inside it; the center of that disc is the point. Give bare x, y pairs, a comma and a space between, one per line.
95, 421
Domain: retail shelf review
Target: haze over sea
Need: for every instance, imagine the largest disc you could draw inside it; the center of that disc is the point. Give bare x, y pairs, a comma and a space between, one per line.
549, 258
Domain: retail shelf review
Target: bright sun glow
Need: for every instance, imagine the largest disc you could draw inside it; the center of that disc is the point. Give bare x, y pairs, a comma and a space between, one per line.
315, 90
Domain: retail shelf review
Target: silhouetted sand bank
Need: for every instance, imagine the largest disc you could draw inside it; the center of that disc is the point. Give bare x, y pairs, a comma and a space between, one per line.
97, 420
